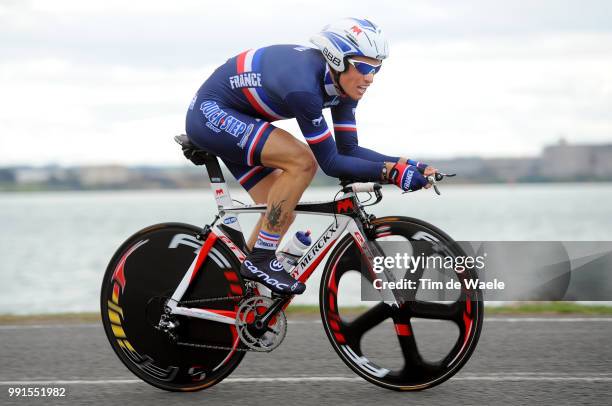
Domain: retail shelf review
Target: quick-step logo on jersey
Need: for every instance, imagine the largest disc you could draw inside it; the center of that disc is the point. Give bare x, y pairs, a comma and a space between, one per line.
245, 138
219, 120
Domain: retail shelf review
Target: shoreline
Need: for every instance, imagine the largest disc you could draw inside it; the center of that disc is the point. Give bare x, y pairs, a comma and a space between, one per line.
312, 311
33, 189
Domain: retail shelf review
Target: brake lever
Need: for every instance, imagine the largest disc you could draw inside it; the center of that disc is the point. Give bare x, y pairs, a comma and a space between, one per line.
434, 179
437, 177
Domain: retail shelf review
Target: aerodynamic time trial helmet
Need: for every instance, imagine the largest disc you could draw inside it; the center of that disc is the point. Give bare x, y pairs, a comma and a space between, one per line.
349, 37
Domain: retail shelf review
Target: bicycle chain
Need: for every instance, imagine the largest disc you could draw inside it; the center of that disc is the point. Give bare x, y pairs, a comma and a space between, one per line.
213, 347
213, 299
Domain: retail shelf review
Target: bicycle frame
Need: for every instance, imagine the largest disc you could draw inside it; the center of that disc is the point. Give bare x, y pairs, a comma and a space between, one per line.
346, 211
249, 317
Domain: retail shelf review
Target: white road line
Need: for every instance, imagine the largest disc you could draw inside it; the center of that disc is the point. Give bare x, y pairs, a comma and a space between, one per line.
547, 319
535, 378
510, 377
43, 326
486, 320
73, 382
468, 374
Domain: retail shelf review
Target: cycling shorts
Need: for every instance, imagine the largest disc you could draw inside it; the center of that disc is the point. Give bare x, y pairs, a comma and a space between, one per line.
236, 138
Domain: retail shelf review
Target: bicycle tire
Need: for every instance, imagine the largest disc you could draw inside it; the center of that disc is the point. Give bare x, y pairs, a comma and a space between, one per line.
346, 337
144, 271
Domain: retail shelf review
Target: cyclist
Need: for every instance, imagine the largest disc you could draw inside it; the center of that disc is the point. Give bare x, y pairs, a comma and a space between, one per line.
230, 116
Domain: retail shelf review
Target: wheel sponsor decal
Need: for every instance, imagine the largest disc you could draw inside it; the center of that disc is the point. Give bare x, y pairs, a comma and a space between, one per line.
119, 275
364, 363
115, 317
185, 239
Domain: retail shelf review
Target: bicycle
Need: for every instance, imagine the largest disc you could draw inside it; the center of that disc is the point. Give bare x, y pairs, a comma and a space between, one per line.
180, 317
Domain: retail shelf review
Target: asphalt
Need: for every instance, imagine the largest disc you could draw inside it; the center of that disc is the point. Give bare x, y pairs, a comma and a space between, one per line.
519, 360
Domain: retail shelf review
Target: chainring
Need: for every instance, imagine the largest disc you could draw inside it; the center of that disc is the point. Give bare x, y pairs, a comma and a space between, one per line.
246, 315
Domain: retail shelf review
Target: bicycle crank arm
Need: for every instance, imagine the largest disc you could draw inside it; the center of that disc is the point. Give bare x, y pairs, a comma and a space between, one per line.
279, 305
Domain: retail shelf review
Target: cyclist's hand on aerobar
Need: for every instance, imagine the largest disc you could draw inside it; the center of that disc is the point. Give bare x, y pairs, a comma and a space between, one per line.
425, 169
409, 177
429, 171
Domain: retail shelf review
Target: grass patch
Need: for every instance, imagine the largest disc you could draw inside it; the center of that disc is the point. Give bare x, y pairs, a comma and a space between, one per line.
55, 318
524, 308
313, 310
558, 308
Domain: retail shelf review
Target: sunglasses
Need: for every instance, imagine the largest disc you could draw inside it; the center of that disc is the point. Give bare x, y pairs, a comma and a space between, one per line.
363, 67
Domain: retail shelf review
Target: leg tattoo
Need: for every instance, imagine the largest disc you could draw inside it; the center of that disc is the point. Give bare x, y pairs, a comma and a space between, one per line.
275, 216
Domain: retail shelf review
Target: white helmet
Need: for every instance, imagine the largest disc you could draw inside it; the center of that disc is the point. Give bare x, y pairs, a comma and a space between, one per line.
350, 36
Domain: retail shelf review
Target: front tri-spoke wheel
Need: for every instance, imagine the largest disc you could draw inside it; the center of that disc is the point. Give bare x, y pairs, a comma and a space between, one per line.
411, 346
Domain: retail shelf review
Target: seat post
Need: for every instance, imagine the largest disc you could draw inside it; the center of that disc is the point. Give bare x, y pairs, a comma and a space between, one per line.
222, 196
213, 168
231, 226
217, 181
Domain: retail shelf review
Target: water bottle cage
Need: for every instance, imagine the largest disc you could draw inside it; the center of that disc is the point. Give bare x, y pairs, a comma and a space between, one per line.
291, 259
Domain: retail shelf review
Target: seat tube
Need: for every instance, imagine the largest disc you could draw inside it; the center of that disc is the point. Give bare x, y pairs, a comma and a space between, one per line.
222, 195
217, 183
224, 201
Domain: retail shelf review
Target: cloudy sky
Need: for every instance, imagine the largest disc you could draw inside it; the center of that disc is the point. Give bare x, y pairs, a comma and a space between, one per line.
109, 82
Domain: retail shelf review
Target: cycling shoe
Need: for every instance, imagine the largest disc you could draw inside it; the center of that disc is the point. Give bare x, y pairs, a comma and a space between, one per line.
264, 268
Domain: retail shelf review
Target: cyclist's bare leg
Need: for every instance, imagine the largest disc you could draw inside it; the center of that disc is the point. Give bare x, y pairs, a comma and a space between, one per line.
259, 194
298, 166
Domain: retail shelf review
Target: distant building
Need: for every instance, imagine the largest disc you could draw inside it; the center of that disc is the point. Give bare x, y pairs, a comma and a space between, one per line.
603, 161
565, 161
511, 169
7, 175
559, 162
467, 167
103, 175
489, 170
32, 175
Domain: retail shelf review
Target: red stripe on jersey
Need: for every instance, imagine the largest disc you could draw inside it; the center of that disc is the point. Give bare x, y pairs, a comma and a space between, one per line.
319, 139
250, 175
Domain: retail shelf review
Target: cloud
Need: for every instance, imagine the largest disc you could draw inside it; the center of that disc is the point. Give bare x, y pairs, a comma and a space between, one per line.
93, 82
491, 97
157, 32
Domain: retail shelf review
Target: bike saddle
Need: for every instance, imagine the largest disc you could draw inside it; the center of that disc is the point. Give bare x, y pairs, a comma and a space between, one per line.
194, 153
185, 142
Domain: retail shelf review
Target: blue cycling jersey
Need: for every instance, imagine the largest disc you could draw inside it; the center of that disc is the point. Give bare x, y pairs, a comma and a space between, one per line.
281, 82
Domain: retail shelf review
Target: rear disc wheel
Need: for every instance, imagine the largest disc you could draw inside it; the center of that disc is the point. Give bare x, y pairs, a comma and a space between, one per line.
141, 276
